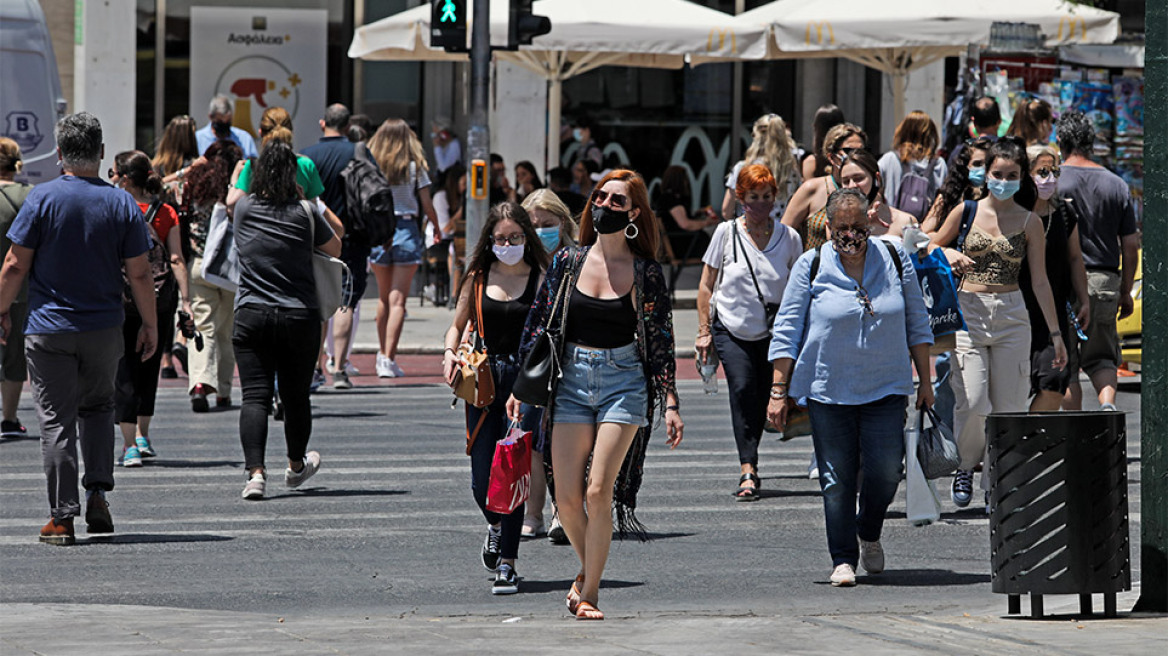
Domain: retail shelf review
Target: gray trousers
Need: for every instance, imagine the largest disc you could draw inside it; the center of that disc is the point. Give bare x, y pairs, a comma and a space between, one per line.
72, 381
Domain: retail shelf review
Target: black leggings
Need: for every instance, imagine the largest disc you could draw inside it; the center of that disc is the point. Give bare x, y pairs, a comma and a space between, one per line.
748, 383
271, 343
136, 383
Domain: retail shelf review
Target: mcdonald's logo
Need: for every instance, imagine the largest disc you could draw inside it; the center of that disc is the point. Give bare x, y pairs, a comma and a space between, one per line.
1067, 24
819, 27
721, 35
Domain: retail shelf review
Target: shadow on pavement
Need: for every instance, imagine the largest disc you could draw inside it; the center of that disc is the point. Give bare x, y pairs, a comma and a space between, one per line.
149, 538
192, 464
562, 585
326, 492
908, 578
778, 494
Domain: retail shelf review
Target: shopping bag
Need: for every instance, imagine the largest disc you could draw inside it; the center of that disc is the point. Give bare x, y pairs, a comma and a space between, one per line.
220, 256
936, 279
936, 448
510, 482
922, 505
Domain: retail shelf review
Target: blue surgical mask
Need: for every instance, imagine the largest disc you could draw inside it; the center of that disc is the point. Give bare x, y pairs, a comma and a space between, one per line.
578, 134
1003, 189
977, 176
550, 238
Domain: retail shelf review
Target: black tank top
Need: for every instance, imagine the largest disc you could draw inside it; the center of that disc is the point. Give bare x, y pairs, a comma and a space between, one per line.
503, 321
601, 323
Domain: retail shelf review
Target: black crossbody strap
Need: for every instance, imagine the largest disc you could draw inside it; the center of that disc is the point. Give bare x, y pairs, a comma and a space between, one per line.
746, 256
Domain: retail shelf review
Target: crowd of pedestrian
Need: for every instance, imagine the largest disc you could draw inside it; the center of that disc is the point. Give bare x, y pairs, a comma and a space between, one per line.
808, 299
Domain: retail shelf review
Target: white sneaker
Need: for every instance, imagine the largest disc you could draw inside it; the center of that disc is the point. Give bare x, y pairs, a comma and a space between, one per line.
872, 557
383, 370
349, 368
311, 465
254, 490
843, 576
396, 370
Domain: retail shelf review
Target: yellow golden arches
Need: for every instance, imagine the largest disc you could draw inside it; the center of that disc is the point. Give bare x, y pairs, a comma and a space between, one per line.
720, 34
820, 27
1068, 24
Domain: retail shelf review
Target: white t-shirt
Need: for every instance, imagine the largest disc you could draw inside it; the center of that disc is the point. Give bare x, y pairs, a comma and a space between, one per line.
735, 299
405, 201
781, 198
448, 155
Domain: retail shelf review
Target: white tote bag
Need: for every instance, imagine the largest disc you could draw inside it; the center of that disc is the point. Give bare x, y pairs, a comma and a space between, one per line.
923, 506
327, 271
220, 256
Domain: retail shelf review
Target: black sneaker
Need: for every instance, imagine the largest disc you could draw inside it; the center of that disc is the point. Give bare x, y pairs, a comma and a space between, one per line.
491, 549
13, 429
506, 581
168, 373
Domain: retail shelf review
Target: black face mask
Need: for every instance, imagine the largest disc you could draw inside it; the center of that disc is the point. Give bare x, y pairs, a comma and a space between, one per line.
221, 128
607, 220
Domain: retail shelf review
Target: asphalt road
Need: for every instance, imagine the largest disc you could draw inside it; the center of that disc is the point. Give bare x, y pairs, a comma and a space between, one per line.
388, 527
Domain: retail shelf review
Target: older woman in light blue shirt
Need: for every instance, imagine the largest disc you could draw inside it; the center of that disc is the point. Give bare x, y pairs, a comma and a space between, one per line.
851, 320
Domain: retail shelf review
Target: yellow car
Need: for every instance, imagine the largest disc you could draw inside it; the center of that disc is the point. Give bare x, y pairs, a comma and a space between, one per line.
1130, 328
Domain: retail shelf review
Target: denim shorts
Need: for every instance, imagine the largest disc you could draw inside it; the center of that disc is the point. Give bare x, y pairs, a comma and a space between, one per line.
406, 247
602, 386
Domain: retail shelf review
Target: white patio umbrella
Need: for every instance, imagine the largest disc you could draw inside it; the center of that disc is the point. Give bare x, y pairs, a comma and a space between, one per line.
585, 34
899, 37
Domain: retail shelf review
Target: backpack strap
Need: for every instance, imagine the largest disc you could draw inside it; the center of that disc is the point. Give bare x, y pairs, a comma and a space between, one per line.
891, 251
967, 216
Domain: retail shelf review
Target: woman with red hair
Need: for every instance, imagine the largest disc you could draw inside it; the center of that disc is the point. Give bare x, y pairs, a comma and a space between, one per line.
617, 365
746, 269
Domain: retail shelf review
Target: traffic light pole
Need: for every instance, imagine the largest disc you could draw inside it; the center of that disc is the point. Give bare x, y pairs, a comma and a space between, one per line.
478, 140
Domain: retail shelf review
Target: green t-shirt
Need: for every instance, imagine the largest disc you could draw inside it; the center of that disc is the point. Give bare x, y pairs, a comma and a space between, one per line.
11, 199
306, 176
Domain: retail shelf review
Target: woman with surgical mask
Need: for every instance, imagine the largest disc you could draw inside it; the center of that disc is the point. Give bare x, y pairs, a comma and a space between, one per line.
746, 268
851, 322
497, 291
556, 229
992, 359
1068, 281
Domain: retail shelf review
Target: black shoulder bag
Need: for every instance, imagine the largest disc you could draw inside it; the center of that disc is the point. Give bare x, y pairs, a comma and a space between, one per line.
535, 382
771, 309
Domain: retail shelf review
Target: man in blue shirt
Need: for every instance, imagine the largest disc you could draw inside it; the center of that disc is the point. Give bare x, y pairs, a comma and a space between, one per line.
220, 113
72, 238
331, 155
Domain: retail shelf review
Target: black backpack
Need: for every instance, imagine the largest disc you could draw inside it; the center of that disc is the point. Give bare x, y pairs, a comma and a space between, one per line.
158, 257
368, 199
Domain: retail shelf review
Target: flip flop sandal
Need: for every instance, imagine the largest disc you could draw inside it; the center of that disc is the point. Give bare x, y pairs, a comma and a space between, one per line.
585, 608
744, 493
574, 594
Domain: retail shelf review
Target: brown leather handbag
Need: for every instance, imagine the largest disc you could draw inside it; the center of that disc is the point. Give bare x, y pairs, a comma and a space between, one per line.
473, 381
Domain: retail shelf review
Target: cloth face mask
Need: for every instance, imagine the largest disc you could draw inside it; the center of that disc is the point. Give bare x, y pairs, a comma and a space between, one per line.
850, 242
509, 255
607, 220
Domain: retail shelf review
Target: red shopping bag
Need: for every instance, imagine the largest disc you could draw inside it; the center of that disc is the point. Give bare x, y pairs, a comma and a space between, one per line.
510, 472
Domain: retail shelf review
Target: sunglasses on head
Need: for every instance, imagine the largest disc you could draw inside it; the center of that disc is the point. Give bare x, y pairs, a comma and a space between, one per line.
847, 152
617, 200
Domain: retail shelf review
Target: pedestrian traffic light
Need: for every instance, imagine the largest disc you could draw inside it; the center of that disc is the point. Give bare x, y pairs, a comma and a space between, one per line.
524, 26
478, 179
448, 25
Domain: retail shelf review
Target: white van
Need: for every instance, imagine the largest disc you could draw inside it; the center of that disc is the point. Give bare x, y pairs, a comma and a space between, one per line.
31, 101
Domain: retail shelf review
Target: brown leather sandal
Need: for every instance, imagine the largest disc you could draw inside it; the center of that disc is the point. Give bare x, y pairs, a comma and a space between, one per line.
586, 610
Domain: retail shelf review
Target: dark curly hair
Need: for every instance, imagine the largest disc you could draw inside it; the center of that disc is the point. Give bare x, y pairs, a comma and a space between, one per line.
1076, 135
956, 188
206, 183
273, 176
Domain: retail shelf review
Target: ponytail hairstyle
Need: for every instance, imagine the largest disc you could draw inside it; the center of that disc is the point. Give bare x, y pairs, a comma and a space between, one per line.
10, 159
1013, 149
1028, 120
136, 167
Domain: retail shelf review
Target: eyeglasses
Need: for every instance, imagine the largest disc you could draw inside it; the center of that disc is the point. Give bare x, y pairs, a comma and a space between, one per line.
616, 200
1048, 171
514, 240
864, 301
111, 173
846, 152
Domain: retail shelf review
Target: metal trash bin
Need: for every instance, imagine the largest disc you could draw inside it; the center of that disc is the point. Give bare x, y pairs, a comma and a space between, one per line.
1059, 507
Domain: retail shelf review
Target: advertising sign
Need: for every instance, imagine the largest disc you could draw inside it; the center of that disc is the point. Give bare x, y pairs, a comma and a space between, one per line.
260, 58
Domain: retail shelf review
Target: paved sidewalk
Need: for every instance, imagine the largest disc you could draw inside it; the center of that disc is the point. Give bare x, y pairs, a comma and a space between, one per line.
63, 629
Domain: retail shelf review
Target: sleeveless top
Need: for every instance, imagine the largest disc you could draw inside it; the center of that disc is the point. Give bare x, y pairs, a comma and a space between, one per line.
602, 323
996, 260
504, 320
816, 224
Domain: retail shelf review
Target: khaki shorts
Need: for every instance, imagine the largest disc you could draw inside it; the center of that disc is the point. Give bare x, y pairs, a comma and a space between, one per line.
1101, 350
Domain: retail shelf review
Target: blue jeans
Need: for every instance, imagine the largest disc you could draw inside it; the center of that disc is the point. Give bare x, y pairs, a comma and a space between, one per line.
846, 438
504, 369
944, 401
